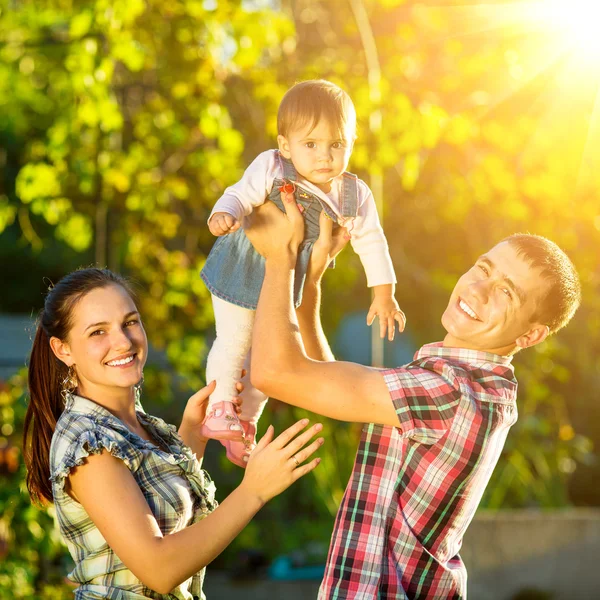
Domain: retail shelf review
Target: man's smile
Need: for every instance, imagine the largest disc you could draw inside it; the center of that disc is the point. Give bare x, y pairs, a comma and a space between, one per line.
467, 310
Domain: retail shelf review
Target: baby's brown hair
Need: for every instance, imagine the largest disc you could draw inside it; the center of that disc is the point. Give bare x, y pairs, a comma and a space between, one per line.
313, 100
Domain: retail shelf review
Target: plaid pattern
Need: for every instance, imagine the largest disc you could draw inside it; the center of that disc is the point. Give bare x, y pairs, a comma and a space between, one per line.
178, 492
414, 488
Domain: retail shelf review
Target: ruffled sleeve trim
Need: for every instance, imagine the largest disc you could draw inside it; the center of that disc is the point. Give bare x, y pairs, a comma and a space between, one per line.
89, 442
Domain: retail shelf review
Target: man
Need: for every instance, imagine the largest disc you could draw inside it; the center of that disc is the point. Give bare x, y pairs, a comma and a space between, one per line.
436, 427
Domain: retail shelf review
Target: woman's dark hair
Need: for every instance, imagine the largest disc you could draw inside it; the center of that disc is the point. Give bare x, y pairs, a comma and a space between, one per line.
47, 373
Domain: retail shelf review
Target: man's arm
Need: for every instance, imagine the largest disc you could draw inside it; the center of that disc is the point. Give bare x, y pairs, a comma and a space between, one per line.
280, 365
325, 249
313, 337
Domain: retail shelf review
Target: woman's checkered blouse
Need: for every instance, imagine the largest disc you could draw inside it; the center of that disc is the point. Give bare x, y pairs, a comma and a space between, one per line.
177, 490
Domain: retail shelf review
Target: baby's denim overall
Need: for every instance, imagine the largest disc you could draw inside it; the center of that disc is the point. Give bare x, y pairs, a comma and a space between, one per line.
234, 271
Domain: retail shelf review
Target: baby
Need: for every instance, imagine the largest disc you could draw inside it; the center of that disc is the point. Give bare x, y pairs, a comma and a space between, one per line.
317, 128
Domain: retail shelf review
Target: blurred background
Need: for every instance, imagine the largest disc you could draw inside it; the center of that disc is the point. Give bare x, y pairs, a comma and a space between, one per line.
121, 123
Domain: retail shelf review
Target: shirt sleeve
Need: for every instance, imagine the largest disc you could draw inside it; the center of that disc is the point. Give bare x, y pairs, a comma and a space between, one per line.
77, 439
251, 190
425, 402
369, 241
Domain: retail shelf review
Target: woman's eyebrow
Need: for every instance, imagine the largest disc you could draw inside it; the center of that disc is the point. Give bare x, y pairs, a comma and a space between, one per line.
127, 316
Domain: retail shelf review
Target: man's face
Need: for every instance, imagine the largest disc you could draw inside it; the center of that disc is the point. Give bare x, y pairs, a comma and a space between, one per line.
493, 304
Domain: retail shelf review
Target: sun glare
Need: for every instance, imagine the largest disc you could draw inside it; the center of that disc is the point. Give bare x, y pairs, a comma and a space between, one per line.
576, 22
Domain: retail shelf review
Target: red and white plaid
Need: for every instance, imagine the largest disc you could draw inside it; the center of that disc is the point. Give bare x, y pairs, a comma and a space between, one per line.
414, 488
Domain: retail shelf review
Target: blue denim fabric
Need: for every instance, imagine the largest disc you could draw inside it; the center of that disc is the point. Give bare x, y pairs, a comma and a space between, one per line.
234, 271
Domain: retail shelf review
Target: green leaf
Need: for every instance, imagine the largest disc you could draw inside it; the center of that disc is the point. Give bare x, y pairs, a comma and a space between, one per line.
37, 181
80, 24
7, 213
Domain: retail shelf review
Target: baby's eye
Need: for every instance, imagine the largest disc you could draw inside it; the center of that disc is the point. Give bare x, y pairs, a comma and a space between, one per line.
310, 144
337, 145
507, 292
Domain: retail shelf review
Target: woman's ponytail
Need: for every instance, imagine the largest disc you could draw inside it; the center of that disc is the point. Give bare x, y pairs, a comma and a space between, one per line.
45, 377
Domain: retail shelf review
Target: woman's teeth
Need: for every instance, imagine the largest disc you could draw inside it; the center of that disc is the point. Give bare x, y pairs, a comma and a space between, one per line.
123, 361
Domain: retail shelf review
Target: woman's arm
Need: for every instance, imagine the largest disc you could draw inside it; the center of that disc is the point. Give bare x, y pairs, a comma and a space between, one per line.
110, 495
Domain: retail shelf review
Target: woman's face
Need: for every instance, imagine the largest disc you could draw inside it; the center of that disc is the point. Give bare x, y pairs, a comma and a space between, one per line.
106, 345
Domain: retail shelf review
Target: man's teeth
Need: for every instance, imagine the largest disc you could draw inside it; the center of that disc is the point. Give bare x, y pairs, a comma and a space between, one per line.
467, 309
123, 361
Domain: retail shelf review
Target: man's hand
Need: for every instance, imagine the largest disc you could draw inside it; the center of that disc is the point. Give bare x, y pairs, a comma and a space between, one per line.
329, 244
222, 223
273, 233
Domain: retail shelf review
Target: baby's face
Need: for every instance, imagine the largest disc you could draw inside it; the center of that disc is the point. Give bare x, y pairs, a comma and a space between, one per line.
319, 154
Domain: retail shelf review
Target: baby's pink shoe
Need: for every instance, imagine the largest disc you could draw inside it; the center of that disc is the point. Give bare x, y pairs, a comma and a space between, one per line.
222, 423
239, 452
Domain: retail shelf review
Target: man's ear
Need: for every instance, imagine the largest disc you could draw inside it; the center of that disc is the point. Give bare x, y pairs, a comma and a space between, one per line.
284, 146
61, 351
536, 335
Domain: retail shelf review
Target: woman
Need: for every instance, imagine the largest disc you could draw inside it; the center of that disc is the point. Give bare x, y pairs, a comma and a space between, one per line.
136, 510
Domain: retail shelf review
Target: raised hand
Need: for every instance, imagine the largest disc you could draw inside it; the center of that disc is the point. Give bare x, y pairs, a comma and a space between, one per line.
276, 463
195, 410
274, 233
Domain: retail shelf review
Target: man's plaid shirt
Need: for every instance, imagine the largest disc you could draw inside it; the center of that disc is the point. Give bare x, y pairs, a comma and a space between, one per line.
414, 488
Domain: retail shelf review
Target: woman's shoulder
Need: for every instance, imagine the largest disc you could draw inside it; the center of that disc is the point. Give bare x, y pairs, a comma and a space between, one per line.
81, 433
69, 428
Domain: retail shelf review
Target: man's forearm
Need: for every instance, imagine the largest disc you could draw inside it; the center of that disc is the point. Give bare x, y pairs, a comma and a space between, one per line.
309, 320
276, 341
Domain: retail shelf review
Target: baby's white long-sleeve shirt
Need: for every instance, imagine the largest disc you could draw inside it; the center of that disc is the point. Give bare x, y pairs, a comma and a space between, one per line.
367, 237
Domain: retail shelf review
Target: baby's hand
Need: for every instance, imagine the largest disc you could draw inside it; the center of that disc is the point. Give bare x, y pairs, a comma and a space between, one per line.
386, 308
222, 223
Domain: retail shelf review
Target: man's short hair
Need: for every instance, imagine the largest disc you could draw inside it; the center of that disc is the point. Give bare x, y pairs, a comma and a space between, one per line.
563, 294
313, 100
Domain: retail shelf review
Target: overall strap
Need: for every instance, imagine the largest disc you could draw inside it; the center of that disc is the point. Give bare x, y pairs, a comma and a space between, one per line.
288, 170
349, 195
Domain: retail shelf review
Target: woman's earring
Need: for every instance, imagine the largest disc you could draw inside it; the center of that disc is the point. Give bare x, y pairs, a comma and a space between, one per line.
137, 389
69, 383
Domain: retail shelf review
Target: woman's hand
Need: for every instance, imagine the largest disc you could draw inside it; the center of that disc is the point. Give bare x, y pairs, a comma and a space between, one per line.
276, 463
195, 411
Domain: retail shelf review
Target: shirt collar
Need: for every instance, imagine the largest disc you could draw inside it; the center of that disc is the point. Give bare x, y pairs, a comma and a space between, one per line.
467, 355
85, 406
